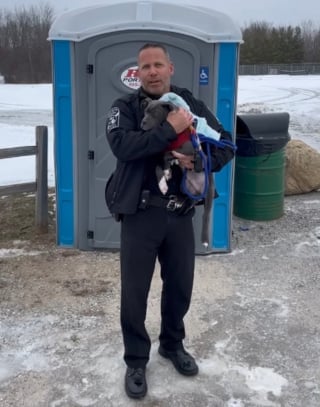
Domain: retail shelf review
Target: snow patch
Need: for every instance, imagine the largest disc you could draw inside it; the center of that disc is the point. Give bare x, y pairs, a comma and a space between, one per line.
18, 252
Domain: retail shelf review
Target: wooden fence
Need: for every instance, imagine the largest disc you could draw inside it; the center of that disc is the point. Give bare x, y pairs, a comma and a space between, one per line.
40, 186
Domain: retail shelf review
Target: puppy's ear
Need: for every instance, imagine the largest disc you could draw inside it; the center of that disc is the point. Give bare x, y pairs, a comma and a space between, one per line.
169, 106
145, 102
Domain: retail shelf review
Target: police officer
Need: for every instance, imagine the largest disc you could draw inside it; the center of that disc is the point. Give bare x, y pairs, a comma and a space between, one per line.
154, 225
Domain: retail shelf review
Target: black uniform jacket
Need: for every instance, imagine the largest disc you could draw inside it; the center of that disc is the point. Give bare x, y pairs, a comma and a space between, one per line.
132, 146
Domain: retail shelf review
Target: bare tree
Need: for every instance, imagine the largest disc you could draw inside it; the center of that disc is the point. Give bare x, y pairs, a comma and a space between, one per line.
311, 41
24, 50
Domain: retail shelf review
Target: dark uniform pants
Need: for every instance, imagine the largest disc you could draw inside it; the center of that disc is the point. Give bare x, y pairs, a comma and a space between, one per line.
146, 235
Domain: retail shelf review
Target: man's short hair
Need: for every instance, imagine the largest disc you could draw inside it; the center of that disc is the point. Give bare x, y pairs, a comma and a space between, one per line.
155, 45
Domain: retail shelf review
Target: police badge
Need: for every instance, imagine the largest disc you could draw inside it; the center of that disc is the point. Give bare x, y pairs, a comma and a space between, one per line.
113, 118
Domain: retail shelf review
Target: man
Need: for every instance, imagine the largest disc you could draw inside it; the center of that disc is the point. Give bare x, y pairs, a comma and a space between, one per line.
153, 225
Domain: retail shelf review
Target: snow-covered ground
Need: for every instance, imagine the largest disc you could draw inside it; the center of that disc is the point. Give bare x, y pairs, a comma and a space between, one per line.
22, 107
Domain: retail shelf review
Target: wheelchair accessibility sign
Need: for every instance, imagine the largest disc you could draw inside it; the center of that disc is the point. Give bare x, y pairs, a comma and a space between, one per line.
204, 75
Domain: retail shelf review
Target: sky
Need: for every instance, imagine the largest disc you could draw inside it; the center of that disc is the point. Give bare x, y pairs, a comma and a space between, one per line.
243, 12
22, 107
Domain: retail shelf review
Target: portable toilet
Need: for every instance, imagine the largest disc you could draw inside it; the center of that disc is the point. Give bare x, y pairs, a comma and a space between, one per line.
94, 53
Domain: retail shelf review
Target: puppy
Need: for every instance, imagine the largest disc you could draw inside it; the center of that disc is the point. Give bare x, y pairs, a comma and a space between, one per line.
155, 113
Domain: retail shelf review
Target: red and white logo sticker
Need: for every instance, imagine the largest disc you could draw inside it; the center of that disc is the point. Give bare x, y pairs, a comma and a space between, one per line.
129, 78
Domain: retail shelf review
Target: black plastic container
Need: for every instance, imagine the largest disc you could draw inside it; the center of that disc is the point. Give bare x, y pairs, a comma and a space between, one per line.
259, 134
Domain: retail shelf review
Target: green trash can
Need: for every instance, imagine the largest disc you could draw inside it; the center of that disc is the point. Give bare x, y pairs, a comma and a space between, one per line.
259, 180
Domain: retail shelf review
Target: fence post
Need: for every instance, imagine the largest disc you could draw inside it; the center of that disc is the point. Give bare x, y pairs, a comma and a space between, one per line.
42, 179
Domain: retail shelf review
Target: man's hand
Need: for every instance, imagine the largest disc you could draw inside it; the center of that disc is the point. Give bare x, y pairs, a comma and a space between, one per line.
180, 119
185, 161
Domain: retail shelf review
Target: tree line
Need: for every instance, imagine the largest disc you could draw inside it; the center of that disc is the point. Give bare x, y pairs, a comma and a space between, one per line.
25, 52
266, 44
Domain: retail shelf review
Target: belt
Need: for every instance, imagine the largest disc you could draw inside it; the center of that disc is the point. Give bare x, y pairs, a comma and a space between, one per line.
172, 203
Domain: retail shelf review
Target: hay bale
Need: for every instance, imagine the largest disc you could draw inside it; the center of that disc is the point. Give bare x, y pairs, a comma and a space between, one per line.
302, 169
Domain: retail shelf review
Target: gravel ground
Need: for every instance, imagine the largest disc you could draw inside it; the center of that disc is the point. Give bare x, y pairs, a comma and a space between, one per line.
253, 325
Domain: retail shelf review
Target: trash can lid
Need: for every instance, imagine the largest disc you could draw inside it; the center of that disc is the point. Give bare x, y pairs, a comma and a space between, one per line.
263, 125
204, 23
263, 133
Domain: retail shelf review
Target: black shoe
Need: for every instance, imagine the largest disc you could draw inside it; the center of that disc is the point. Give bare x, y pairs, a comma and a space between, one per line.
182, 361
135, 382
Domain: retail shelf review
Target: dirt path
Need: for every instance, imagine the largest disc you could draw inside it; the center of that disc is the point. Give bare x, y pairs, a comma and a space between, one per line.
253, 325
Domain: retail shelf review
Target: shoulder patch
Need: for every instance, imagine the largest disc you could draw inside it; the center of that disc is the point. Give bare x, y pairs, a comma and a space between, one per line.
113, 118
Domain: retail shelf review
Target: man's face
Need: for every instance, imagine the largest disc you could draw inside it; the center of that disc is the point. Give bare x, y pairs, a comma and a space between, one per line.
155, 71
